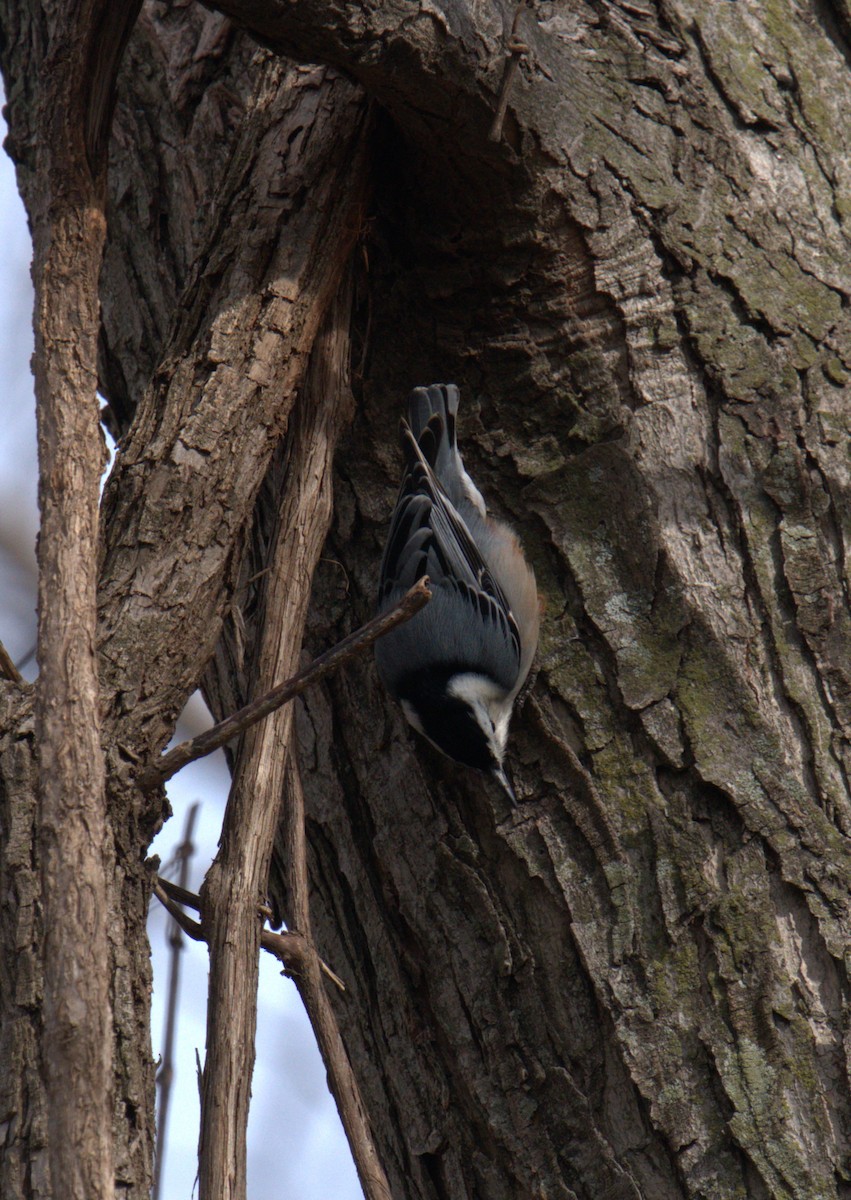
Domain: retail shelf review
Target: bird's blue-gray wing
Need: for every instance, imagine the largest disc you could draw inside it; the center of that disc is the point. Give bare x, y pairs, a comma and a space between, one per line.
429, 537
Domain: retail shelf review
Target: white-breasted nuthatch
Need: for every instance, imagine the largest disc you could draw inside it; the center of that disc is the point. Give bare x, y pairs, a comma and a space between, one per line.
457, 667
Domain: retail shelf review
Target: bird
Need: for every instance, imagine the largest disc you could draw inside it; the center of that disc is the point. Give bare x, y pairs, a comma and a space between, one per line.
457, 667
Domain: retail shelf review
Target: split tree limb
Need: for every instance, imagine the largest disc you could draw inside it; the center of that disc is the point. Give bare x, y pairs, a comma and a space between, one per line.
198, 747
239, 875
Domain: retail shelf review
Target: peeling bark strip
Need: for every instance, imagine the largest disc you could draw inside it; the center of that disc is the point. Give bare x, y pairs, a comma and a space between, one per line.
288, 211
239, 874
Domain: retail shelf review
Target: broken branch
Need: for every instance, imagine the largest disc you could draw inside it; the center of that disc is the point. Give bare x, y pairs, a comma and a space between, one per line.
198, 747
8, 670
291, 949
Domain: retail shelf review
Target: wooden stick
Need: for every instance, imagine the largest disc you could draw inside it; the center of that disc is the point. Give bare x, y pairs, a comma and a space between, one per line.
197, 747
165, 1075
341, 1077
290, 948
8, 670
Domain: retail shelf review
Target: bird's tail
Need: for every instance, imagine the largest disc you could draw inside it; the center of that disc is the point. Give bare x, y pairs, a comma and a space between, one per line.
432, 415
441, 399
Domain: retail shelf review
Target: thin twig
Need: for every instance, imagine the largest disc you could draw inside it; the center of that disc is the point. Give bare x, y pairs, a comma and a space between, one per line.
341, 1077
197, 747
516, 49
290, 948
190, 928
165, 1075
8, 670
175, 892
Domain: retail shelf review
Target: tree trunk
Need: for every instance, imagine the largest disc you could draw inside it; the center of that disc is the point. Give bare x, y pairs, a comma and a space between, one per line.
636, 982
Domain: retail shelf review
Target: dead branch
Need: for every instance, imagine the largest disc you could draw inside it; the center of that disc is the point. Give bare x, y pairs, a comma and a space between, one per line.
8, 670
239, 875
166, 1071
290, 948
180, 894
198, 747
341, 1077
191, 928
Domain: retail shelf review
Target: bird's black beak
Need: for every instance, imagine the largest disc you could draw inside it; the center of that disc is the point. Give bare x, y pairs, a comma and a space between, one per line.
505, 783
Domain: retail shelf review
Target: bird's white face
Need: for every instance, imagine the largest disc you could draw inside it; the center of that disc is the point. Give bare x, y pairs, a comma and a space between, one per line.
490, 707
471, 726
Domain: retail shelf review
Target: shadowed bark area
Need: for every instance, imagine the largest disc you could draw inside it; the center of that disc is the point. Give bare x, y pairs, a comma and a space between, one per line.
634, 984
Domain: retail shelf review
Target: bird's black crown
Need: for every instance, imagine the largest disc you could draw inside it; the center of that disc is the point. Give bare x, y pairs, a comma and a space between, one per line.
446, 720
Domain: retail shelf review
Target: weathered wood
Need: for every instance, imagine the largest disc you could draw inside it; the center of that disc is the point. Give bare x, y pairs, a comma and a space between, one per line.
635, 984
257, 294
238, 876
66, 212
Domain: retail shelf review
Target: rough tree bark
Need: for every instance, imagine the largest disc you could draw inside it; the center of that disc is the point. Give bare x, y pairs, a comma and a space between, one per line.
636, 983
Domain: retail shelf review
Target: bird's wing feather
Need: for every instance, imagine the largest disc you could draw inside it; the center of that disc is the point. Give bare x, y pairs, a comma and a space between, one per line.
432, 416
428, 536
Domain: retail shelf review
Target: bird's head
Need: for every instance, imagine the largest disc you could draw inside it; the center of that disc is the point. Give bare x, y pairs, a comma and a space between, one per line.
465, 715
